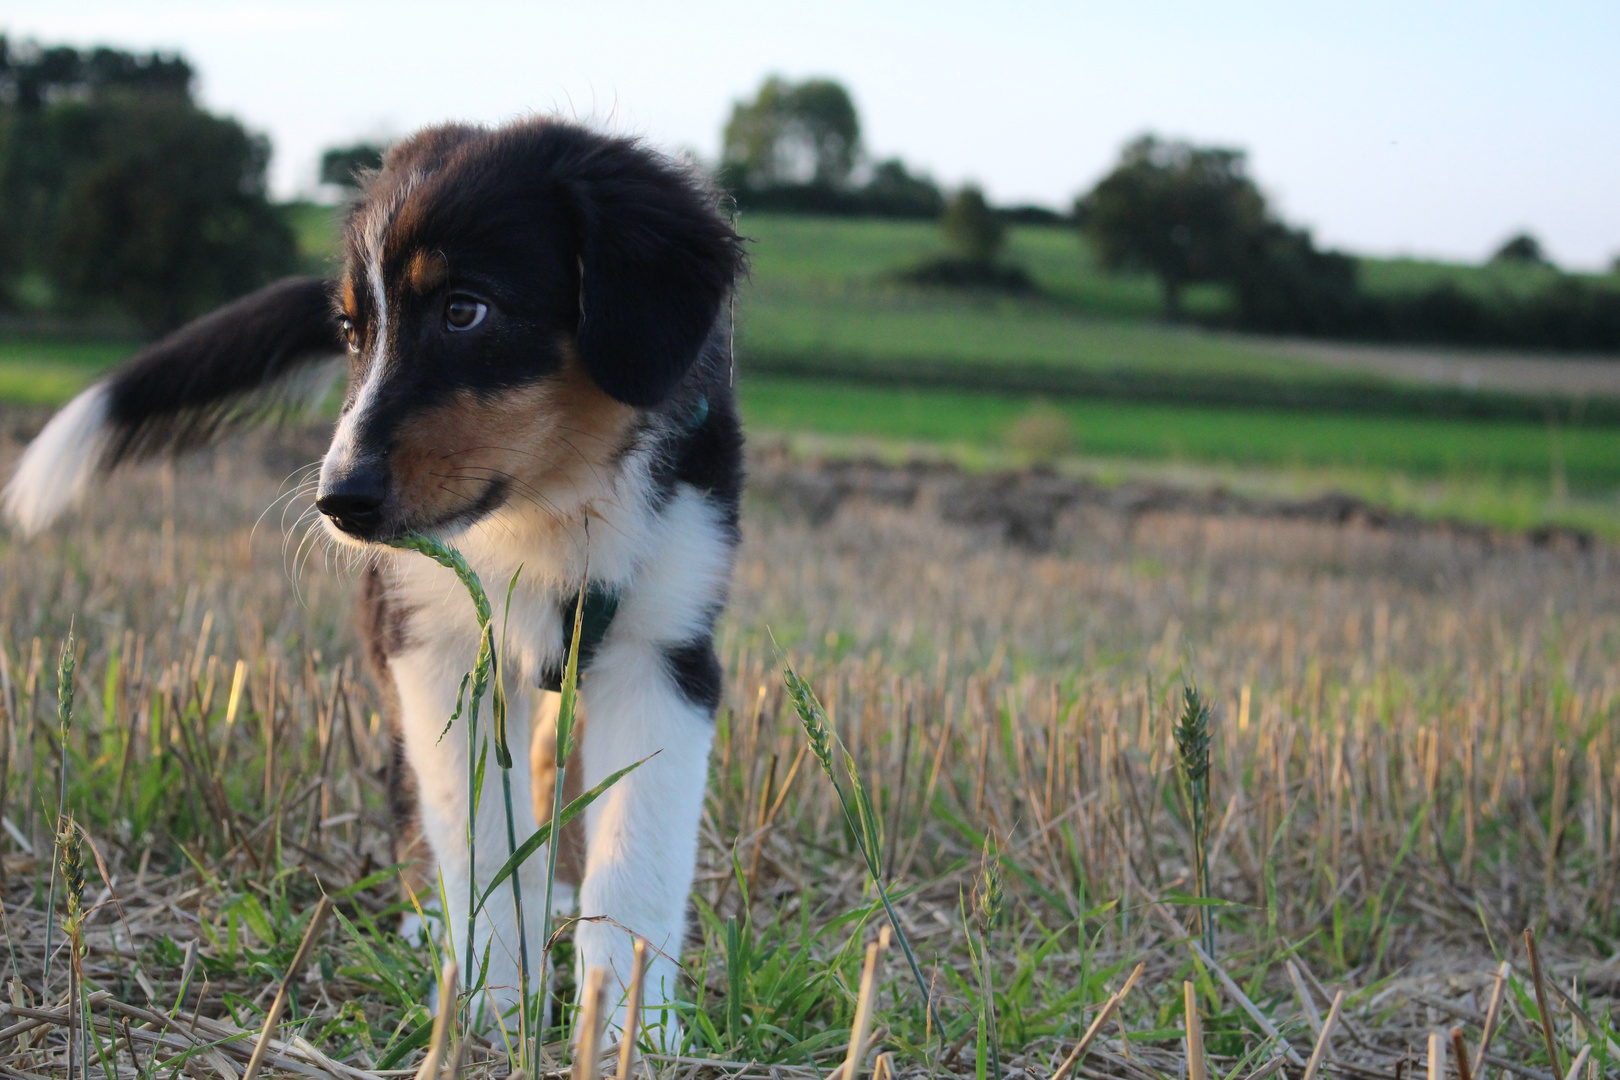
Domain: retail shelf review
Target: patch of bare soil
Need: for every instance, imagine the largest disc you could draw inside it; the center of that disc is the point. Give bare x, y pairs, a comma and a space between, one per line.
1569, 375
1024, 507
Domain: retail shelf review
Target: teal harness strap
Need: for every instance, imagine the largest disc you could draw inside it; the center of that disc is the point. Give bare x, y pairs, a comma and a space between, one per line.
601, 601
601, 604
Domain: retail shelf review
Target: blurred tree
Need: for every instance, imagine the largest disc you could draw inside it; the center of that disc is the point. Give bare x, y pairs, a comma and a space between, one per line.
31, 76
1521, 248
1285, 284
342, 165
1181, 212
792, 133
117, 191
895, 191
971, 228
167, 217
975, 234
1030, 214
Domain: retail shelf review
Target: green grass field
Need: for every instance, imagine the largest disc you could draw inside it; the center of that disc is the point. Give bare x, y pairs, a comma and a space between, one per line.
1415, 445
827, 285
1507, 474
1394, 276
36, 372
832, 252
317, 228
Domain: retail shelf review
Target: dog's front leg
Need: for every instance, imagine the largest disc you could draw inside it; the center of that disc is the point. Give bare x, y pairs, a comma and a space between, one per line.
427, 677
641, 836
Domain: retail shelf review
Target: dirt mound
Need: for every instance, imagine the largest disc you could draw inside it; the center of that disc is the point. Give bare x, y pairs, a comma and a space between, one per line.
1025, 506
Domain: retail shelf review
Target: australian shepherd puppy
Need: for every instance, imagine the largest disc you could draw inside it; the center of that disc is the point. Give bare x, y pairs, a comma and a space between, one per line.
539, 353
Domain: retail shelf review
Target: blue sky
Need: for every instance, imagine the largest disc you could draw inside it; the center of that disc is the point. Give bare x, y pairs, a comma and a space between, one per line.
1433, 129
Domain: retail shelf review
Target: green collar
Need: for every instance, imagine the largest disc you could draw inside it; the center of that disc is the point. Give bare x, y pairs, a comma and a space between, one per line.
601, 604
601, 601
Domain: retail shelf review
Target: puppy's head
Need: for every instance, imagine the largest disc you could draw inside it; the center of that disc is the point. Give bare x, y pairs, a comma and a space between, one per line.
512, 301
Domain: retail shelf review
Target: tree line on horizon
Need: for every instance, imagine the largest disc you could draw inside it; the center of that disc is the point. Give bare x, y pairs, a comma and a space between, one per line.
1185, 214
120, 194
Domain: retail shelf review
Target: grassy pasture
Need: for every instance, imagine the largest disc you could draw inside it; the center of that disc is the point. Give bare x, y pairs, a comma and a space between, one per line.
42, 372
820, 255
825, 285
1507, 474
1588, 458
1394, 276
1414, 757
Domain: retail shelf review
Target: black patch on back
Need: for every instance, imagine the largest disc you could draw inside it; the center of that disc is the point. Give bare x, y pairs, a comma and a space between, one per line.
696, 671
180, 391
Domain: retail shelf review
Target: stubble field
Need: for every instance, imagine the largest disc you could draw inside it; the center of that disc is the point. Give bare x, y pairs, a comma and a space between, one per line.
1412, 760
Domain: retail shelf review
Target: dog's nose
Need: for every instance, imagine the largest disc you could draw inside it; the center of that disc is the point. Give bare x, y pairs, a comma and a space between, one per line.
354, 502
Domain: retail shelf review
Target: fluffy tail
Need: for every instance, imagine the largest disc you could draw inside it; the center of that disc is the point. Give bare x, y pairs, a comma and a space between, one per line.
230, 367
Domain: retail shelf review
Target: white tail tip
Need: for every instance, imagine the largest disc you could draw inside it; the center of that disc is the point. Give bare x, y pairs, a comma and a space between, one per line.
58, 466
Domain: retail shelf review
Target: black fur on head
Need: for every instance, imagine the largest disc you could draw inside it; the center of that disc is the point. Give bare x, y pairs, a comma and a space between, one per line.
656, 263
577, 237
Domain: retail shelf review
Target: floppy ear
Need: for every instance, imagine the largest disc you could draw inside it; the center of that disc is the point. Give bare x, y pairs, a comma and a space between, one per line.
655, 262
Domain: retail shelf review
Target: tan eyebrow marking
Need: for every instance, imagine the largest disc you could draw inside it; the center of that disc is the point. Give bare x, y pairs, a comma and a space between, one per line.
350, 302
428, 270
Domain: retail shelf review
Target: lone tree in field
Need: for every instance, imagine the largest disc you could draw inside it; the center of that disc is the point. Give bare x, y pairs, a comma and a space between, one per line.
975, 235
1180, 212
343, 165
1521, 248
971, 228
792, 133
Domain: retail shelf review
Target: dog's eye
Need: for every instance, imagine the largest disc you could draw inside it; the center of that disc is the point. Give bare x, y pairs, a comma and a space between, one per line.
464, 313
351, 337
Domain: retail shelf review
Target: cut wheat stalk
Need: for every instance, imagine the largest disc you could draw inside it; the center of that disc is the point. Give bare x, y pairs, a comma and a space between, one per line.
1543, 1007
1351, 1028
1270, 1068
1592, 1029
1460, 1048
1097, 1023
1493, 1013
38, 1018
588, 1025
1197, 1067
182, 1031
1232, 988
1324, 1039
861, 1028
632, 1010
429, 1069
1437, 1056
317, 923
1307, 1004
